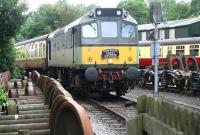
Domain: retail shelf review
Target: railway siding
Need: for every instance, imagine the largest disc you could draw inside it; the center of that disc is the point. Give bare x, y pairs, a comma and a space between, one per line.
161, 117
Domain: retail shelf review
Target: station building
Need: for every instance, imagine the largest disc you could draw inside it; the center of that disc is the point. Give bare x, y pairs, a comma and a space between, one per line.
172, 29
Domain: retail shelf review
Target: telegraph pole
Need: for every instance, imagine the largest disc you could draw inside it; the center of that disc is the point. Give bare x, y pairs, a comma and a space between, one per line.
155, 19
156, 58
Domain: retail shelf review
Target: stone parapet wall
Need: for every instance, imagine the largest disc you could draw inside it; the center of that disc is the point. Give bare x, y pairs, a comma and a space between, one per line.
161, 117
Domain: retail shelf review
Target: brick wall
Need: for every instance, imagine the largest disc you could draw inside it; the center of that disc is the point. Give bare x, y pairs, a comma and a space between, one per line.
5, 76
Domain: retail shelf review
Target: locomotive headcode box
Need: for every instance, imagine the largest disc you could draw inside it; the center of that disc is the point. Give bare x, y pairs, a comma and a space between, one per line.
108, 12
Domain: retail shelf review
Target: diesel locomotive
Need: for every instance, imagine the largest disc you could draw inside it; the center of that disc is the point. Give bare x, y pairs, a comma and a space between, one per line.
97, 52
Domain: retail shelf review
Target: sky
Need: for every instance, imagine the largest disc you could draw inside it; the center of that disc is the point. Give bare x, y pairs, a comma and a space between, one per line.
34, 4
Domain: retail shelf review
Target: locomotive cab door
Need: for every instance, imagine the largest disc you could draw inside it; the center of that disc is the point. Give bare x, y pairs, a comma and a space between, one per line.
73, 45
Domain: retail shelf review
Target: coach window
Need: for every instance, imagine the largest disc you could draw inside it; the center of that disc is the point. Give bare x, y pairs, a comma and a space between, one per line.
194, 50
36, 50
89, 30
128, 30
32, 50
180, 50
44, 50
40, 50
109, 29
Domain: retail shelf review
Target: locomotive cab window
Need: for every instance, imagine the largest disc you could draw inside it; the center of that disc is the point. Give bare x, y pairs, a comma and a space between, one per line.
109, 29
89, 30
128, 30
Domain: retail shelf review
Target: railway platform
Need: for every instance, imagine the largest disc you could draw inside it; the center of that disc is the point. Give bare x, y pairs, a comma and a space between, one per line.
179, 98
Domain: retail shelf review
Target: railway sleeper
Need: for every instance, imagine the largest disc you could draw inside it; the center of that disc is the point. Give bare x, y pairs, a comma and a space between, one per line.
23, 121
16, 127
34, 112
32, 107
33, 132
26, 116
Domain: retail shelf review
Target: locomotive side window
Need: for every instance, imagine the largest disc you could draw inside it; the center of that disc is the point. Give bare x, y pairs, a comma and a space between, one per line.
49, 44
109, 29
89, 30
128, 30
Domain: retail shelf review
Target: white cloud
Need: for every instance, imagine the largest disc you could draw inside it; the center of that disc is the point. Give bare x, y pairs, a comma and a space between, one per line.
102, 3
34, 4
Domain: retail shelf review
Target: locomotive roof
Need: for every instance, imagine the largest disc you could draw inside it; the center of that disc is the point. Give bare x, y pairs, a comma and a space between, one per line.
192, 40
83, 19
169, 24
87, 18
41, 38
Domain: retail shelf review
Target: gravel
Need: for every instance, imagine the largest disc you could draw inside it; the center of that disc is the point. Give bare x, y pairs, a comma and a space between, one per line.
177, 97
99, 127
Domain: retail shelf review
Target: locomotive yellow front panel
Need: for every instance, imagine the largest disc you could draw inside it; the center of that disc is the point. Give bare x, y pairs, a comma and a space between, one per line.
110, 55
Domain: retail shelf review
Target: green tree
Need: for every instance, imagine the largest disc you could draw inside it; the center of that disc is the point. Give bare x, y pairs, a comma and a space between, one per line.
68, 13
195, 8
48, 18
39, 23
137, 8
174, 11
12, 17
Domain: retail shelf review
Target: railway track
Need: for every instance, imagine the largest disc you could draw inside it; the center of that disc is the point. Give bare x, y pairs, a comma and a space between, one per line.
111, 110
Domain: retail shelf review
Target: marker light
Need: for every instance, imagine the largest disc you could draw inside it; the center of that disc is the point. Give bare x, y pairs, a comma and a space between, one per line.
110, 61
99, 12
119, 12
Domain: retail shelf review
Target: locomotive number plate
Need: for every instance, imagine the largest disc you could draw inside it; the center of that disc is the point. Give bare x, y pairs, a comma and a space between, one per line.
110, 53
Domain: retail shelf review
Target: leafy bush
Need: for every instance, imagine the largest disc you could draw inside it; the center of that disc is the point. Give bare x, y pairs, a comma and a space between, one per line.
8, 55
18, 72
3, 98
